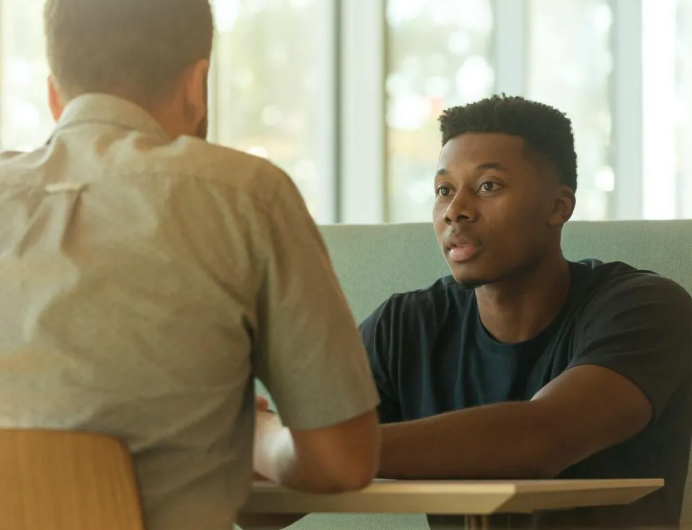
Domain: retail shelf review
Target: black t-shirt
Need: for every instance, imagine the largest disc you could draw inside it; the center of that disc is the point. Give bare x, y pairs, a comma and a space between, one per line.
430, 354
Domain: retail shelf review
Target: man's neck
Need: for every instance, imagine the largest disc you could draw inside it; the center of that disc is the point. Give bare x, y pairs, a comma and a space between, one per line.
519, 308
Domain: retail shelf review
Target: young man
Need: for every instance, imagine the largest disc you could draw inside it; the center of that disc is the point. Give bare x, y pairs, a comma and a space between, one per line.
522, 364
146, 276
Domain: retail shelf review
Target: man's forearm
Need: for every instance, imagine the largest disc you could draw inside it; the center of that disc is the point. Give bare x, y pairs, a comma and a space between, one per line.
326, 464
508, 440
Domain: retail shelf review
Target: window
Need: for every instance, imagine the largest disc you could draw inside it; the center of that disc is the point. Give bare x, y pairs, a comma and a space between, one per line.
667, 62
25, 120
438, 57
345, 94
574, 77
272, 89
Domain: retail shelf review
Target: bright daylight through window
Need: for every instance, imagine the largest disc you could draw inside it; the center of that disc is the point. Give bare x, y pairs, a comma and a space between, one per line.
621, 69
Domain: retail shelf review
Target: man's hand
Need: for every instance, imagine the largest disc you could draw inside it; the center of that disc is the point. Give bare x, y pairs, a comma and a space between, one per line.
269, 432
262, 404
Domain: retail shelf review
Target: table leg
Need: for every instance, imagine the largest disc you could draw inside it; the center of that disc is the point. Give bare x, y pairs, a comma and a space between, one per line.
477, 522
459, 522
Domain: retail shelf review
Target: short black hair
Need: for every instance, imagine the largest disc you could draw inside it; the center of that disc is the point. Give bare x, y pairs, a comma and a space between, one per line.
137, 48
545, 130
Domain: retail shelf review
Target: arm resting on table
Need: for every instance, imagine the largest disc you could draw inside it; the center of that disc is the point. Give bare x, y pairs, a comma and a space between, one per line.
583, 411
343, 457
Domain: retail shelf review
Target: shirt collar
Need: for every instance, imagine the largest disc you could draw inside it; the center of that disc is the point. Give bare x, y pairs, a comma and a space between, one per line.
104, 108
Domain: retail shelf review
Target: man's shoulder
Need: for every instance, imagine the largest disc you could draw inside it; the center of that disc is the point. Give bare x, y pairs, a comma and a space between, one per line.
14, 164
224, 166
607, 289
6, 157
419, 300
186, 157
617, 278
437, 300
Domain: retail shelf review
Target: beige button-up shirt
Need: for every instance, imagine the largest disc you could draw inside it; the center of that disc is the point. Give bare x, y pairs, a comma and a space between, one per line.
144, 282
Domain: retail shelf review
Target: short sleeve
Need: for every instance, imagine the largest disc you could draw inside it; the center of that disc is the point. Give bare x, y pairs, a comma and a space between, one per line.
308, 351
377, 334
641, 328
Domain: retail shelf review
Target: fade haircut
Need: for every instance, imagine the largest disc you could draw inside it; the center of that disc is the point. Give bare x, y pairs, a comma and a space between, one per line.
132, 48
546, 131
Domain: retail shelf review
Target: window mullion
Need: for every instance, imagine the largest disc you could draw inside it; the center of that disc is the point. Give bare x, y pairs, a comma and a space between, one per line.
627, 109
363, 167
510, 37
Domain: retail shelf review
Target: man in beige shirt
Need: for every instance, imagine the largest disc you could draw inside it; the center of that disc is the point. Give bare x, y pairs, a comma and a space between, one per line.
146, 276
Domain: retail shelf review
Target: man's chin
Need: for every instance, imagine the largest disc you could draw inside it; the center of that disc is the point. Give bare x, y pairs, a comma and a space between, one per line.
472, 283
465, 276
468, 280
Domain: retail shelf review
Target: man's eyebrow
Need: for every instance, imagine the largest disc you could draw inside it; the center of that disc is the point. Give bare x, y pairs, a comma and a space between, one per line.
490, 165
481, 167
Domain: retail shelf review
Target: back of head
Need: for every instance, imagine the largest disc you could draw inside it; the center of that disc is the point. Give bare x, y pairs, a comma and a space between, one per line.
136, 49
546, 131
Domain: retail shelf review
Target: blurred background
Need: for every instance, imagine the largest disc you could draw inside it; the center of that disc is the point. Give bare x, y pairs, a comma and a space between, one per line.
345, 94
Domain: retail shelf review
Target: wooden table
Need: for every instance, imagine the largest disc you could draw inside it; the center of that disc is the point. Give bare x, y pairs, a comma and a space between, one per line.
475, 500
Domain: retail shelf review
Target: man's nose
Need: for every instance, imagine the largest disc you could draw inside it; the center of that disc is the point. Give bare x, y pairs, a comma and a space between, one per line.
460, 209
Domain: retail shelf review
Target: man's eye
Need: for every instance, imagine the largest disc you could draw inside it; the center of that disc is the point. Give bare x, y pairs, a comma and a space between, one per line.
488, 186
443, 191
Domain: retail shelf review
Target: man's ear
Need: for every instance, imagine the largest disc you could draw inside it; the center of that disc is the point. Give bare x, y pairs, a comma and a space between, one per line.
563, 206
54, 99
196, 91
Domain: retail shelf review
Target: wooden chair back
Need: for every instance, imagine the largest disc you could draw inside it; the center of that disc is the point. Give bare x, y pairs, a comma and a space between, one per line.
51, 480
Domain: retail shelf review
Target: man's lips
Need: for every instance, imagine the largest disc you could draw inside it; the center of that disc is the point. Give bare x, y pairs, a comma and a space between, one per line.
461, 250
462, 253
